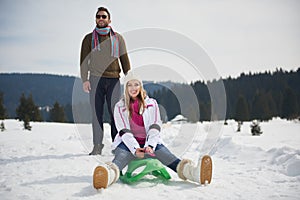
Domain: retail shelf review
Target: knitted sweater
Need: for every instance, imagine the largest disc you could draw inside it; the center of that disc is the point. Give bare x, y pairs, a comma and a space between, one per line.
101, 63
137, 124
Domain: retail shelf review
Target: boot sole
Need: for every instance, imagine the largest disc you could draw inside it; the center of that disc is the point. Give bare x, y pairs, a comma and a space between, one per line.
100, 177
206, 170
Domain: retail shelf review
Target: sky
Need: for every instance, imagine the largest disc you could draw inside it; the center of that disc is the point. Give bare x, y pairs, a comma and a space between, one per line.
233, 36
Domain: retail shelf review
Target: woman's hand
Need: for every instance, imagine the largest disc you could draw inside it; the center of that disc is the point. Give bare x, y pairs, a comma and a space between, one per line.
140, 153
148, 150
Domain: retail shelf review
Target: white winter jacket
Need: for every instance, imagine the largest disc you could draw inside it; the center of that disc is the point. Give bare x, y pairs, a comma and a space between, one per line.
152, 122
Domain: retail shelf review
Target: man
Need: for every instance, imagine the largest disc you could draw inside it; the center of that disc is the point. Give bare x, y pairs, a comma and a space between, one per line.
101, 52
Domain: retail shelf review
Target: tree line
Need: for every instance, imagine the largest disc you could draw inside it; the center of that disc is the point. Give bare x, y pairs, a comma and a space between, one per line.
250, 96
28, 111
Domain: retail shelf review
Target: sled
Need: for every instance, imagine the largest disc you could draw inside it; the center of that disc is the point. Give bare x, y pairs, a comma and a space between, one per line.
152, 166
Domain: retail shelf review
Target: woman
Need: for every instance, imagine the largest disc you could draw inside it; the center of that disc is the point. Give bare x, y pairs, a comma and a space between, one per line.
137, 119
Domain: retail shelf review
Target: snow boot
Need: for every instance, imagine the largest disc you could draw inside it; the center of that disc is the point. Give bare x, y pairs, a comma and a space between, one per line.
97, 150
105, 175
202, 173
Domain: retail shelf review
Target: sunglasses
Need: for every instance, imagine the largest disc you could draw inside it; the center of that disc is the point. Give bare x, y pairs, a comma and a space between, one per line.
103, 16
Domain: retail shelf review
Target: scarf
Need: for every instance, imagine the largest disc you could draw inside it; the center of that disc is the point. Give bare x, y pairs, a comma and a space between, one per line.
137, 125
113, 38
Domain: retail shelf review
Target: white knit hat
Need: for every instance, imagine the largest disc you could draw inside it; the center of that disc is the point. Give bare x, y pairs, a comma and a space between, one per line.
131, 76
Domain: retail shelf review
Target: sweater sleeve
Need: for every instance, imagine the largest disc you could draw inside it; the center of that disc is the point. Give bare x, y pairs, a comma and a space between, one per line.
124, 56
85, 57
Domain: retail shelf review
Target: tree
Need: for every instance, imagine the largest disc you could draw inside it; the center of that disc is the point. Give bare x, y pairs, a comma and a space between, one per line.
27, 108
57, 113
290, 104
260, 107
34, 114
205, 111
22, 110
241, 109
3, 114
27, 111
27, 123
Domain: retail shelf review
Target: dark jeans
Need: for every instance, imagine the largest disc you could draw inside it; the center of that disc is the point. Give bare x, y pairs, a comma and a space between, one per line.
123, 156
103, 89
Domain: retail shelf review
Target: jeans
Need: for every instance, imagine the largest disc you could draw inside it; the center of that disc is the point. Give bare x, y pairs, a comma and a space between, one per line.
123, 156
102, 89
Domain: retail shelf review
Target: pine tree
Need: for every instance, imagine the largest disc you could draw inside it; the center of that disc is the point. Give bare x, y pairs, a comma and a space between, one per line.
27, 108
2, 112
2, 126
290, 104
69, 113
35, 114
2, 108
27, 123
241, 109
57, 113
260, 107
22, 108
205, 111
27, 111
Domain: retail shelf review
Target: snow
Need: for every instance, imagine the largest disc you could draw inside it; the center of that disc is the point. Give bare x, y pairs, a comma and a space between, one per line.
179, 118
52, 162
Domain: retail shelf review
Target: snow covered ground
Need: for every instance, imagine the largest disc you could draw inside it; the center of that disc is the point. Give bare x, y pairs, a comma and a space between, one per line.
51, 162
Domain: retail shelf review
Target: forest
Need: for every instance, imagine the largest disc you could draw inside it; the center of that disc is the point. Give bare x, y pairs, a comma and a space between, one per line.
250, 96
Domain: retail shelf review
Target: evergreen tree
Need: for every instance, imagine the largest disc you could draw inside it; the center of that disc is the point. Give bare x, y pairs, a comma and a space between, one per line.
273, 110
22, 110
69, 113
290, 104
57, 113
35, 114
2, 108
2, 126
27, 123
27, 109
260, 107
205, 111
241, 109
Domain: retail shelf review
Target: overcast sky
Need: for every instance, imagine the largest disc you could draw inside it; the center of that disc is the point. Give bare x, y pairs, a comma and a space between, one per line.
238, 36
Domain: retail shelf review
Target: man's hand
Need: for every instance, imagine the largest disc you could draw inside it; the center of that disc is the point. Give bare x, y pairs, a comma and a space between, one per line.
87, 86
139, 153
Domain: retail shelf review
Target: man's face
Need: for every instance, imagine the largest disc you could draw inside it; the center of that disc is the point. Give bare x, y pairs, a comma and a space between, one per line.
100, 21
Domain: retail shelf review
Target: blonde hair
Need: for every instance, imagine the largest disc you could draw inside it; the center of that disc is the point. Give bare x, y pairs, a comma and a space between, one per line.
141, 98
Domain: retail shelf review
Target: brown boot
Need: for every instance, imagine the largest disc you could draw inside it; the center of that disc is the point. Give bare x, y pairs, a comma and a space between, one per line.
105, 175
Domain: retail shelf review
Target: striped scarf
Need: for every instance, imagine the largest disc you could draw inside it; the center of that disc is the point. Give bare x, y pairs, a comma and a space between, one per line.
113, 38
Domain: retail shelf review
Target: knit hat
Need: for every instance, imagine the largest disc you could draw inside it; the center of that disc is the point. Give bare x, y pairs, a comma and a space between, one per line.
131, 76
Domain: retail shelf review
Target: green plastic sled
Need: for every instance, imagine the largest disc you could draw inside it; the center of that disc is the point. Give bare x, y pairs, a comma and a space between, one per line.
153, 166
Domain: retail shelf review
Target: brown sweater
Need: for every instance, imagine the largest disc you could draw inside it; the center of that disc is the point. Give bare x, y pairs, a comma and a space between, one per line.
101, 63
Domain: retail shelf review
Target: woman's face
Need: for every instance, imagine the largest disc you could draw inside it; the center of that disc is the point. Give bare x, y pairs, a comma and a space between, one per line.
133, 88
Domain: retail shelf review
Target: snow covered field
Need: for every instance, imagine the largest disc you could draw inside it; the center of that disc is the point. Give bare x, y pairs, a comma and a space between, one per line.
52, 162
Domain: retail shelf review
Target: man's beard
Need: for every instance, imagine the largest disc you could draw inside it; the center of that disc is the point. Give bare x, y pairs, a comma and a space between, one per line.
104, 26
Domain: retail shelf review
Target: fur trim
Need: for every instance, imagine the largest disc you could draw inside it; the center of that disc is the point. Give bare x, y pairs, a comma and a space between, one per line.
180, 167
114, 167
